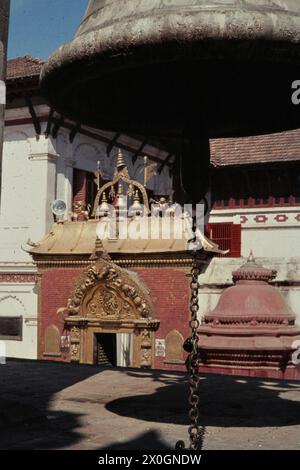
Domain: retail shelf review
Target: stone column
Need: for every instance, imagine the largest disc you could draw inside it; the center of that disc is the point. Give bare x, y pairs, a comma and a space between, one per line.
43, 159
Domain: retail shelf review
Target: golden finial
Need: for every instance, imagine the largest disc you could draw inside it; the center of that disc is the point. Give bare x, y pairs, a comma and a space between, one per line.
120, 160
130, 191
103, 209
136, 209
145, 170
98, 175
136, 196
112, 193
99, 251
120, 190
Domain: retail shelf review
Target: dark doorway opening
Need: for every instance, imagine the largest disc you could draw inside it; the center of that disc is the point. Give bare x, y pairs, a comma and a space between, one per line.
106, 349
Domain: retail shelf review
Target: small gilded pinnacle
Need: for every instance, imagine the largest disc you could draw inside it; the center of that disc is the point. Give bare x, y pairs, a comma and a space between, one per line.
120, 160
251, 258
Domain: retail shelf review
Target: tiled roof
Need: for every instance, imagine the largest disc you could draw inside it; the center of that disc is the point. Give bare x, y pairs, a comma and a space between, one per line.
279, 147
24, 67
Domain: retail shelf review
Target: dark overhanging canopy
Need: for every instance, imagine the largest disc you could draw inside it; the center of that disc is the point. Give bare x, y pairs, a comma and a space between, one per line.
181, 70
159, 68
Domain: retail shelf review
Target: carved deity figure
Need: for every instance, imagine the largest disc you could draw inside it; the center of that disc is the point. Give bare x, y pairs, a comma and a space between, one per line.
79, 213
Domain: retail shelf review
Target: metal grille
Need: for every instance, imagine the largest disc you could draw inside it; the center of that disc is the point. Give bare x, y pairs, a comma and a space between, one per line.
227, 235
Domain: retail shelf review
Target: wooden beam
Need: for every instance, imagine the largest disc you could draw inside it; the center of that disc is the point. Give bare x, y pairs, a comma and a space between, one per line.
103, 139
35, 119
22, 122
139, 151
166, 161
58, 123
74, 132
49, 123
112, 143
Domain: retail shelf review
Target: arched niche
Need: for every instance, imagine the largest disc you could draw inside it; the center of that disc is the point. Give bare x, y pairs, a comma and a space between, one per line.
52, 341
87, 154
174, 351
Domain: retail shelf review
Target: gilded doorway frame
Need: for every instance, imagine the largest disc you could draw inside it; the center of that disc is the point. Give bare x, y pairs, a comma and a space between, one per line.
109, 299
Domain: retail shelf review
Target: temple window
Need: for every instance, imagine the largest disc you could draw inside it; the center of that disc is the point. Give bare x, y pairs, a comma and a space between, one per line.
227, 235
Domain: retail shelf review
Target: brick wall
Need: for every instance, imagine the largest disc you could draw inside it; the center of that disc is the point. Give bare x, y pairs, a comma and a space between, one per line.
56, 286
170, 295
169, 292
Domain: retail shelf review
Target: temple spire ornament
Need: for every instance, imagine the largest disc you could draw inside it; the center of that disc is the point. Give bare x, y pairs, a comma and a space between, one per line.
104, 208
136, 209
120, 161
251, 258
99, 251
98, 175
251, 329
120, 184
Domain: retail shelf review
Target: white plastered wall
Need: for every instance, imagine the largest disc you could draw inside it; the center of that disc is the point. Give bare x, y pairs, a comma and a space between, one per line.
21, 300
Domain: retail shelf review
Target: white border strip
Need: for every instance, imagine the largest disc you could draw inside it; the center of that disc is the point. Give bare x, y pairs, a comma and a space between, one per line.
2, 92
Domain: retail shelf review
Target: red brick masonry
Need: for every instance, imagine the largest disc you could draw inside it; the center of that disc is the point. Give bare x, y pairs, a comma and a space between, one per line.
169, 292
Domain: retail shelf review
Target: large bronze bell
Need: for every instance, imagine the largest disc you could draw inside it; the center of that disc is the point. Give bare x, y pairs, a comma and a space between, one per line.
156, 66
195, 68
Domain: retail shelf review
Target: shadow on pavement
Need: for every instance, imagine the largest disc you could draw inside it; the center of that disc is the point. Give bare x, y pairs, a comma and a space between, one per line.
26, 390
225, 401
150, 440
28, 421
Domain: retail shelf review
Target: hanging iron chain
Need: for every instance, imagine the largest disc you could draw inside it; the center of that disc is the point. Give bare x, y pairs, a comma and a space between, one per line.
194, 430
191, 346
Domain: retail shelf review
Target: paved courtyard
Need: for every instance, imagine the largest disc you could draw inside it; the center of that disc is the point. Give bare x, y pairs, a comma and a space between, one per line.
62, 406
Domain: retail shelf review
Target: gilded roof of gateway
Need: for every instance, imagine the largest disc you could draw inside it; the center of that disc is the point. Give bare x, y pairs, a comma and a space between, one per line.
78, 238
124, 220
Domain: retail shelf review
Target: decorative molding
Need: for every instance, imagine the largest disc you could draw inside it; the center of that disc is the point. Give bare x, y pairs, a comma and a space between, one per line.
258, 360
114, 281
18, 278
14, 297
126, 262
251, 321
31, 321
255, 210
276, 217
50, 157
281, 218
261, 219
18, 268
244, 219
